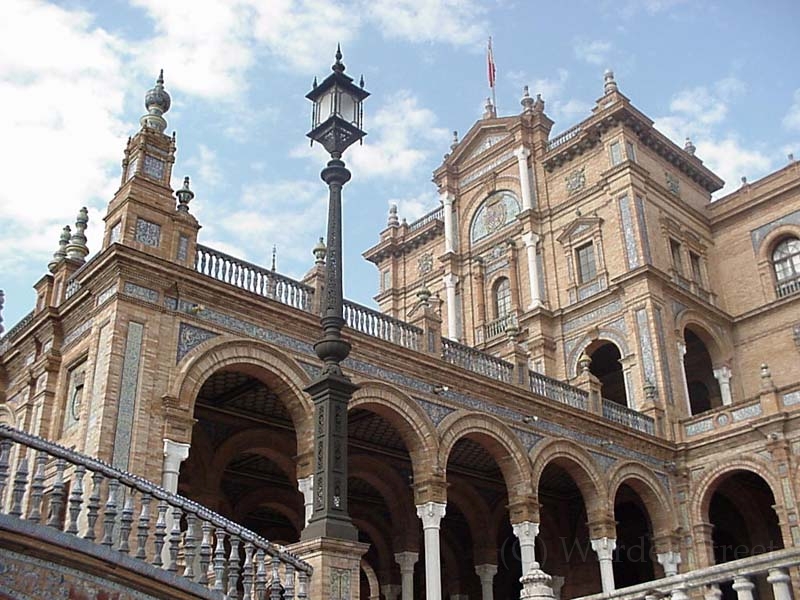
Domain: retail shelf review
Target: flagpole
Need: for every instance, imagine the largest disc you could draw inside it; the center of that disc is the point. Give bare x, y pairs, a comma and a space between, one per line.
492, 73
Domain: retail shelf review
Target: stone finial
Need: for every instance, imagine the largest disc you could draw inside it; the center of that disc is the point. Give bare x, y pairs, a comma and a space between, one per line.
2, 301
61, 253
583, 362
744, 180
157, 102
689, 147
393, 221
527, 102
274, 257
320, 250
185, 196
536, 584
790, 156
424, 295
489, 111
649, 390
77, 249
609, 83
455, 142
766, 378
538, 104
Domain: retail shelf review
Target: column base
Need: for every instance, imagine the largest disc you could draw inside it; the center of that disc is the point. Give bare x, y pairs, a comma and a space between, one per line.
336, 563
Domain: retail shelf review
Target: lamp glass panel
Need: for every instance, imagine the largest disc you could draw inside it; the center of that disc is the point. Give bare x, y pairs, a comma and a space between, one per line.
347, 107
325, 103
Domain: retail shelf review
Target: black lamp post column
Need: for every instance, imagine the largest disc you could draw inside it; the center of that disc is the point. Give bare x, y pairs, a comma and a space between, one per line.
336, 125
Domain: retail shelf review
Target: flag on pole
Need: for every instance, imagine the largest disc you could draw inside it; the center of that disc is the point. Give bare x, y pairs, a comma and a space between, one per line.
490, 64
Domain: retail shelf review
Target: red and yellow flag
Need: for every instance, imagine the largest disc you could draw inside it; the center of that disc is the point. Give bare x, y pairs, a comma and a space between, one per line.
490, 64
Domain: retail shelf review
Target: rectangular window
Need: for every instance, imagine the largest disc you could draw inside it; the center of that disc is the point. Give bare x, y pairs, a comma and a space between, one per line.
694, 259
587, 269
675, 249
386, 280
616, 154
631, 150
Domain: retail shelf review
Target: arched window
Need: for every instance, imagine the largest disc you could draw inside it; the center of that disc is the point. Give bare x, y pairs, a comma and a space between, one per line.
502, 297
786, 262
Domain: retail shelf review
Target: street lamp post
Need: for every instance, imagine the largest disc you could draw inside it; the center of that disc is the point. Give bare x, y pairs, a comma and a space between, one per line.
336, 124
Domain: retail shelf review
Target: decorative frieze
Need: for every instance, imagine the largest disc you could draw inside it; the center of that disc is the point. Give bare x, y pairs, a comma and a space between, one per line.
148, 233
605, 461
592, 316
140, 292
699, 427
746, 412
189, 337
183, 248
487, 167
106, 294
791, 398
436, 412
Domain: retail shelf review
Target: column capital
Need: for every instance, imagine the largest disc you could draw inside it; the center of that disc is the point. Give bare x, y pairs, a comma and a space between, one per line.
723, 373
487, 571
522, 153
526, 531
406, 560
431, 514
175, 452
604, 547
450, 280
530, 239
682, 349
670, 561
447, 197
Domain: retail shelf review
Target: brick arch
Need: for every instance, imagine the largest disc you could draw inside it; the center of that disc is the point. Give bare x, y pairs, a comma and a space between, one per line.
719, 348
767, 244
704, 489
395, 492
607, 334
276, 446
579, 464
653, 495
282, 501
372, 579
7, 416
501, 443
276, 369
379, 539
412, 423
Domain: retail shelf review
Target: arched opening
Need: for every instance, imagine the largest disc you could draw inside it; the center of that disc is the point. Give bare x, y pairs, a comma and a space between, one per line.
786, 266
566, 549
606, 366
704, 392
242, 455
380, 496
502, 298
744, 522
633, 562
477, 491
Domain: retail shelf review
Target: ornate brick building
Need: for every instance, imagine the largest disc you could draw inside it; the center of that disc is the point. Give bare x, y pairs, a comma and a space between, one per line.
580, 360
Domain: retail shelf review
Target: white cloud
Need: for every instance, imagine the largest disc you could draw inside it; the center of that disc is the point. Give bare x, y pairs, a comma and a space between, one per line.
412, 208
203, 168
594, 52
458, 22
65, 123
792, 118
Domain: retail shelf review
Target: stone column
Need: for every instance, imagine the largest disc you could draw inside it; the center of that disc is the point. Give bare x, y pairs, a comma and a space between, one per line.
781, 584
450, 281
682, 355
391, 591
407, 560
431, 514
526, 533
530, 240
486, 574
306, 487
522, 154
670, 561
449, 232
174, 454
712, 592
604, 547
724, 375
743, 587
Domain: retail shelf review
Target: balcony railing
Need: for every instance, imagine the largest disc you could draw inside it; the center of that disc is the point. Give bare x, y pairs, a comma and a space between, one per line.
628, 417
564, 137
252, 278
788, 288
435, 215
381, 326
476, 361
558, 391
48, 485
706, 582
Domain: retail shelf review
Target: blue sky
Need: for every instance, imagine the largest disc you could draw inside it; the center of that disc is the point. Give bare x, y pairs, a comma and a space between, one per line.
73, 75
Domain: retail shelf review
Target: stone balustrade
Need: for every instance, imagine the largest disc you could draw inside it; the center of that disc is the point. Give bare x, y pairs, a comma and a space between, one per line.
48, 486
628, 417
435, 215
705, 583
558, 391
476, 361
379, 325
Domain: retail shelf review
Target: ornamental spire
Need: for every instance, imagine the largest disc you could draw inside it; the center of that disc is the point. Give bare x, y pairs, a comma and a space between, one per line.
77, 248
157, 102
609, 83
61, 253
338, 66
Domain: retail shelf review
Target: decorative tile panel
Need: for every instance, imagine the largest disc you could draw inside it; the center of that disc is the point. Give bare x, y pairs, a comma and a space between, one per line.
487, 167
605, 462
140, 292
497, 211
127, 396
487, 142
757, 235
183, 248
699, 427
575, 181
153, 167
747, 412
590, 289
106, 294
77, 333
663, 362
592, 316
436, 412
640, 218
528, 439
646, 345
148, 233
629, 233
114, 234
791, 398
189, 337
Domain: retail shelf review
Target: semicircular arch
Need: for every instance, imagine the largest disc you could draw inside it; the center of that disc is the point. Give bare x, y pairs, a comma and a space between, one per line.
645, 483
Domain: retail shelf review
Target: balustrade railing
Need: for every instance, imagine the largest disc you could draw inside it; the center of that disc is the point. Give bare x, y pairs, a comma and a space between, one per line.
46, 484
252, 278
499, 325
564, 137
740, 575
788, 288
379, 325
558, 391
434, 215
628, 417
476, 361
